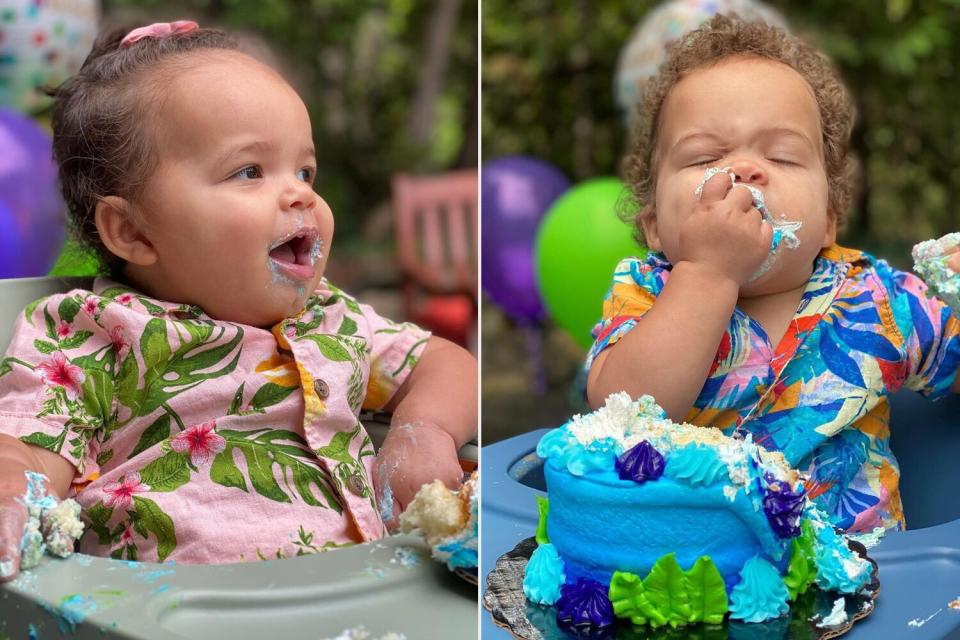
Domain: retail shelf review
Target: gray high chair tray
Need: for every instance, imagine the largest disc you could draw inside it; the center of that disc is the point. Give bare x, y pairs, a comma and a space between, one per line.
389, 585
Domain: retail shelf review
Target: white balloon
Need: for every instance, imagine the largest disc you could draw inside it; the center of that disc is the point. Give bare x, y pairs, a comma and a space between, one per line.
645, 51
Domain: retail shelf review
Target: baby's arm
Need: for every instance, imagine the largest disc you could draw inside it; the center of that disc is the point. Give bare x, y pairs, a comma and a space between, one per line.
434, 414
15, 458
669, 353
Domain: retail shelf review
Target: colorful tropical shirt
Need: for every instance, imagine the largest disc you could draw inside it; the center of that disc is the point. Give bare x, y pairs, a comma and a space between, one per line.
197, 440
862, 331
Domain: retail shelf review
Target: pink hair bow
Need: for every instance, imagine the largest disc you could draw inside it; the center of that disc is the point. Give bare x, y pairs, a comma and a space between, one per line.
158, 30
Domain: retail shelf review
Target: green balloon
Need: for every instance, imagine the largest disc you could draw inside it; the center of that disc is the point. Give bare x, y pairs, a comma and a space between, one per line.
578, 245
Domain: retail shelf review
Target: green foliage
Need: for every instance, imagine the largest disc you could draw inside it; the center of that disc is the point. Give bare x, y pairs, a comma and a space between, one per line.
357, 66
548, 76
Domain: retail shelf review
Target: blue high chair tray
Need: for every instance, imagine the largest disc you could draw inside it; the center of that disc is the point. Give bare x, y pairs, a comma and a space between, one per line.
919, 569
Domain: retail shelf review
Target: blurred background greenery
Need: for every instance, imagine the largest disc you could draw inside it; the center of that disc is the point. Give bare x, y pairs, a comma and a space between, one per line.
547, 78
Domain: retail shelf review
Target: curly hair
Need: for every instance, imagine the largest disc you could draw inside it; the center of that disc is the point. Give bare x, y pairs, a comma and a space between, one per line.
101, 141
721, 38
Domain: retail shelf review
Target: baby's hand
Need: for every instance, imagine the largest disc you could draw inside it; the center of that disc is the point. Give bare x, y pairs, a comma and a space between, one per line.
725, 232
13, 517
411, 456
953, 261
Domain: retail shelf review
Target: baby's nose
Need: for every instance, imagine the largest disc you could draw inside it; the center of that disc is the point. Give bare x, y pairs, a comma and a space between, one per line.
749, 172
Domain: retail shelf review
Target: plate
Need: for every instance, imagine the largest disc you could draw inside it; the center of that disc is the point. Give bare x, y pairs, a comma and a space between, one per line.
505, 601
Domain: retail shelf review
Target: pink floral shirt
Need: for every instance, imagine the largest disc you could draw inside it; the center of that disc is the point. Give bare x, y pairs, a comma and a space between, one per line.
203, 441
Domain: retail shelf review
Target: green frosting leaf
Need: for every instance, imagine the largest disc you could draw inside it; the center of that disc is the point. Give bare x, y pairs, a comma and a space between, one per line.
707, 593
802, 570
543, 507
666, 590
629, 599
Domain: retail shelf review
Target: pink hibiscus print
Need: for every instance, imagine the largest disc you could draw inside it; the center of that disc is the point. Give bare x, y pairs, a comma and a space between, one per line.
120, 494
120, 345
90, 307
63, 329
60, 373
124, 298
201, 441
127, 536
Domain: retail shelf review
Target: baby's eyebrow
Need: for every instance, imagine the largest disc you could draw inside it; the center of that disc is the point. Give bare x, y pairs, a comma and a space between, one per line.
262, 146
767, 132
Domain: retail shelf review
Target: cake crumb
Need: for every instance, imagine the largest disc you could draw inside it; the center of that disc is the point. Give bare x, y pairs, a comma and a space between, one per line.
954, 604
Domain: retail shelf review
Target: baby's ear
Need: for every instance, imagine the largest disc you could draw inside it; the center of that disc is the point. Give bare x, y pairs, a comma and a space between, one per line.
830, 236
120, 232
648, 220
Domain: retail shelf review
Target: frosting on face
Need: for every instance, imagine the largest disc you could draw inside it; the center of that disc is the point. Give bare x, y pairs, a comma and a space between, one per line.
784, 231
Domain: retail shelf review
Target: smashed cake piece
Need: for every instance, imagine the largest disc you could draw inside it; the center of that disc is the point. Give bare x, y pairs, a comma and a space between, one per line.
447, 520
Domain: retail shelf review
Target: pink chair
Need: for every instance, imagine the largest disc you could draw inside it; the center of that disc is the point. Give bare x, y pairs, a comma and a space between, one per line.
435, 218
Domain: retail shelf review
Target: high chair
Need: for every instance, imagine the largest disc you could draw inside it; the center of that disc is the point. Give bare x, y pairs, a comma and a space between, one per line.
383, 586
435, 221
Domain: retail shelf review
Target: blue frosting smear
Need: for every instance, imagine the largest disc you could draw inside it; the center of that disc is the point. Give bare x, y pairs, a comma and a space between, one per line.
544, 575
697, 466
839, 568
760, 594
563, 447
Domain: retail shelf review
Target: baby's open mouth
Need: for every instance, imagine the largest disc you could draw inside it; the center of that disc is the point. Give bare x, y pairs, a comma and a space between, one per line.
297, 254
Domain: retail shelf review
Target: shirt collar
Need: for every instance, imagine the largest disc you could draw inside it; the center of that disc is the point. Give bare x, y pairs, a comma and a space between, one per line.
107, 288
834, 253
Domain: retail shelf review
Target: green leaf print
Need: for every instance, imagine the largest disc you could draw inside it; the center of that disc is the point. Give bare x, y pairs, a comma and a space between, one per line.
102, 359
167, 473
28, 312
50, 443
68, 309
237, 401
339, 447
262, 452
43, 346
158, 523
170, 373
76, 340
98, 395
50, 325
100, 515
104, 457
269, 395
156, 432
348, 327
339, 295
331, 347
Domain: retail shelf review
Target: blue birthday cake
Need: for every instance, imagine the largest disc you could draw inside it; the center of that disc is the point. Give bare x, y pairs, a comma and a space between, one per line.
672, 524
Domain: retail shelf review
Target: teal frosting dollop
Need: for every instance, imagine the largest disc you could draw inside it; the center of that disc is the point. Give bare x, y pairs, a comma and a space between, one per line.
544, 575
761, 594
839, 568
696, 466
579, 459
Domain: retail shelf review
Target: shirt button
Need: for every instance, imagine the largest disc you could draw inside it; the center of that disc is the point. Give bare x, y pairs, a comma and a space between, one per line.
322, 389
355, 483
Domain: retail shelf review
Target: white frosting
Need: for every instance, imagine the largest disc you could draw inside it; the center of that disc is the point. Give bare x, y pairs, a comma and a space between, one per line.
629, 422
837, 615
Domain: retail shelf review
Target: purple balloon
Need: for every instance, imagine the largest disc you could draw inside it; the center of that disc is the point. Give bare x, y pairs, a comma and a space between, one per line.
11, 244
516, 192
29, 196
